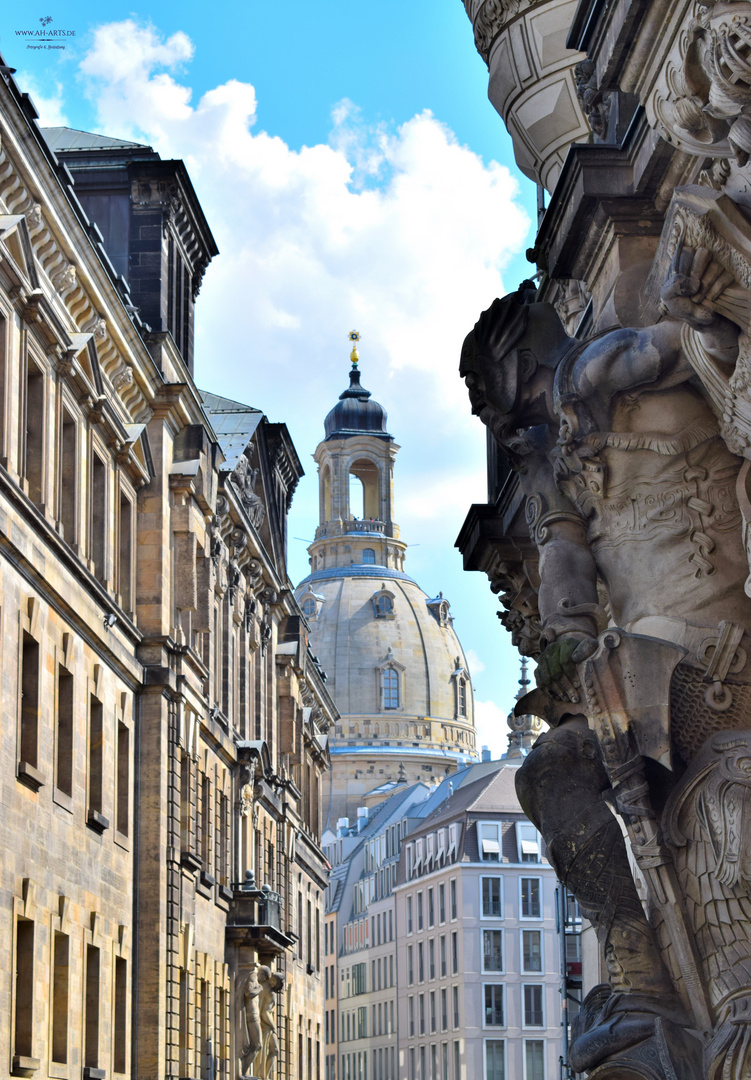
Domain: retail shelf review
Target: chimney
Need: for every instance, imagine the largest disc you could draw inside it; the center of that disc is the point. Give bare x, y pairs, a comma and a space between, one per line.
485, 752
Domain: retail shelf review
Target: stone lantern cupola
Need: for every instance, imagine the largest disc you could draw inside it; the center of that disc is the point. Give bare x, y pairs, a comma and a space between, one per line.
356, 483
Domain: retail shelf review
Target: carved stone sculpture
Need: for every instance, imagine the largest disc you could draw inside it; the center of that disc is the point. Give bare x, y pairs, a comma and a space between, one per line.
249, 1027
272, 983
627, 449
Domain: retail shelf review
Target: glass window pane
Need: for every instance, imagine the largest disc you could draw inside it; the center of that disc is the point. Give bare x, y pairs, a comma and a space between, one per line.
494, 1069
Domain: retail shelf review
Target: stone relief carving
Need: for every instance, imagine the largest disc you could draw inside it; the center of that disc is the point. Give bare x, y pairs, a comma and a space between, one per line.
704, 105
595, 104
245, 478
633, 452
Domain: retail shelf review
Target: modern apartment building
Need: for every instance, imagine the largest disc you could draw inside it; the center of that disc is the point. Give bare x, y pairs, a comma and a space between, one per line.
448, 954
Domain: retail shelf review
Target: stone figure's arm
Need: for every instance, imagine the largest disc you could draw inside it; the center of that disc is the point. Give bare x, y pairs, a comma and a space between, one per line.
567, 597
652, 356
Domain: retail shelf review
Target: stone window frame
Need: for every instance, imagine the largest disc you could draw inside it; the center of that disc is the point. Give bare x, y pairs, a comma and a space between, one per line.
504, 1053
462, 686
383, 601
390, 663
307, 597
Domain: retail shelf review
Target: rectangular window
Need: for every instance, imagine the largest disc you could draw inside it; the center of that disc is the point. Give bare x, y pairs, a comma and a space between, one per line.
412, 1063
120, 1033
442, 903
60, 992
431, 957
492, 906
409, 915
494, 1060
490, 843
96, 753
362, 1022
359, 977
452, 890
492, 950
29, 701
98, 516
455, 996
34, 444
527, 842
419, 911
123, 778
69, 478
457, 1061
125, 554
410, 965
411, 1015
532, 950
204, 1031
431, 908
433, 1020
454, 953
24, 1003
433, 1062
494, 1006
444, 966
530, 896
444, 1061
91, 1024
444, 1010
532, 996
420, 963
64, 732
534, 1059
421, 1005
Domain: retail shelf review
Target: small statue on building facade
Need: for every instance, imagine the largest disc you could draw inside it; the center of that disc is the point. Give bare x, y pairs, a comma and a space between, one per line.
250, 1034
272, 983
636, 500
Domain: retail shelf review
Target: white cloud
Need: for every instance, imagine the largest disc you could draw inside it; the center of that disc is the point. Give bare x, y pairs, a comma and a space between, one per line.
492, 728
399, 232
474, 662
51, 107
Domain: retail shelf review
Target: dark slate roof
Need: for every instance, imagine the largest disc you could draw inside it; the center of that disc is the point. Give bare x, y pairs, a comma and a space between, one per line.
65, 138
355, 413
234, 424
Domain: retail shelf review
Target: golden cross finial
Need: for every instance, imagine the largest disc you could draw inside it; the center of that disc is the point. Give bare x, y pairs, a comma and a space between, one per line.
354, 337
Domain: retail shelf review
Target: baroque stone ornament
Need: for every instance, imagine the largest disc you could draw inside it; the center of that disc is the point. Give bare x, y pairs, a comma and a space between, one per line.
633, 453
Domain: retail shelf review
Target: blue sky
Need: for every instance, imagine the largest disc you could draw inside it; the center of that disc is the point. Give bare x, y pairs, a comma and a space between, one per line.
355, 177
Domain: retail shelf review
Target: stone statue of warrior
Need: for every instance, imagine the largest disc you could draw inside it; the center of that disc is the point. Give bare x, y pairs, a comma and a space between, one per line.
631, 488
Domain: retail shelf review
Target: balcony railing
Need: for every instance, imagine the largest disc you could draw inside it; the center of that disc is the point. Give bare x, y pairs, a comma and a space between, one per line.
353, 525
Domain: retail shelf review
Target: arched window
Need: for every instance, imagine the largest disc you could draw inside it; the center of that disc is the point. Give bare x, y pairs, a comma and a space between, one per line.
461, 697
389, 688
384, 605
368, 556
309, 606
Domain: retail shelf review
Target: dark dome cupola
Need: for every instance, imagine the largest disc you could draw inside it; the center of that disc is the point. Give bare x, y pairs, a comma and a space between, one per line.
355, 413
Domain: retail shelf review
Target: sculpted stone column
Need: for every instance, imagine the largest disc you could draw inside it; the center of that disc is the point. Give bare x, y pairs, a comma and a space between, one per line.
628, 453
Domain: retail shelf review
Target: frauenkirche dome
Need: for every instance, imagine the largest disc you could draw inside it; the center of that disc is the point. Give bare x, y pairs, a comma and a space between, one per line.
396, 669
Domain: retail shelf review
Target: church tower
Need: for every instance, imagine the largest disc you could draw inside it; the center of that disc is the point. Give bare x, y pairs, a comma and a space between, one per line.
395, 667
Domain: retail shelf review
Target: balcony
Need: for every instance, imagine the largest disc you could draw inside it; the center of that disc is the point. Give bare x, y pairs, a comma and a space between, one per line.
255, 918
353, 525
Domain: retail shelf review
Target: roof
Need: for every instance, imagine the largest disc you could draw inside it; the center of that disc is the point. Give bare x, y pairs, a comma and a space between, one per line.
356, 414
234, 424
65, 138
490, 793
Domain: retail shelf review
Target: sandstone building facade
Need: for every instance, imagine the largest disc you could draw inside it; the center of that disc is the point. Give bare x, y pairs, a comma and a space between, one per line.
164, 720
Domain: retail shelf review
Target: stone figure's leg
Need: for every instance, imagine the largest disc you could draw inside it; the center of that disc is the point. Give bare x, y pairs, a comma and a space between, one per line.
561, 786
707, 823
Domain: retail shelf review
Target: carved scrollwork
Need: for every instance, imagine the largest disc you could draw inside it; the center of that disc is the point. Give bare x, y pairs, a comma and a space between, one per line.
490, 19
